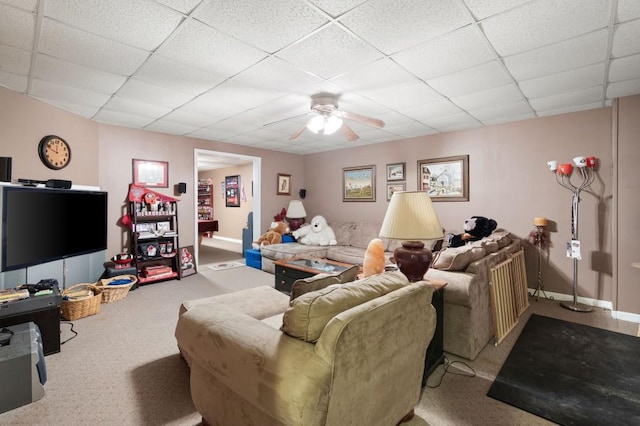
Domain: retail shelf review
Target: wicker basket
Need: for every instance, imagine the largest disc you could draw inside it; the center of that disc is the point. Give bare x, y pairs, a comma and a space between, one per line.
74, 306
113, 292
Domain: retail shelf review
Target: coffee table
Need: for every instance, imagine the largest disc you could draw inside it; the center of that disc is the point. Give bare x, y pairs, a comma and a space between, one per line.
289, 270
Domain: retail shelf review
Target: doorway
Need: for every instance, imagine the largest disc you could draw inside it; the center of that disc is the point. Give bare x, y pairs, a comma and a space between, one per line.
205, 160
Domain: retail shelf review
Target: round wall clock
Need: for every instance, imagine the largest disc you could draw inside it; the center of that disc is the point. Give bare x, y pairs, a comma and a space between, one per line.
54, 152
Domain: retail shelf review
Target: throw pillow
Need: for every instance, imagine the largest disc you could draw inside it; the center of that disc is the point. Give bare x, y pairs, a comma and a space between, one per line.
309, 313
457, 258
320, 281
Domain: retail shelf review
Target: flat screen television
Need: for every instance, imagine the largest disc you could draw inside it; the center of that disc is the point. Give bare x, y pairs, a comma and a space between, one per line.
44, 224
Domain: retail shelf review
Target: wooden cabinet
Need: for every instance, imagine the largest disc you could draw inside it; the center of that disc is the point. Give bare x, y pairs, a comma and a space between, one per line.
154, 241
205, 199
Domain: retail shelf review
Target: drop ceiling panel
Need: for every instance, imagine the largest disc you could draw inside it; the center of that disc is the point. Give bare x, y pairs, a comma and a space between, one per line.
335, 8
625, 68
152, 94
495, 96
399, 97
17, 27
86, 49
628, 10
623, 88
178, 76
57, 92
122, 119
625, 40
564, 100
56, 70
455, 51
544, 22
203, 47
171, 127
570, 54
141, 23
136, 107
276, 74
435, 109
329, 53
581, 78
482, 9
17, 83
13, 60
481, 77
253, 21
28, 5
406, 24
500, 113
381, 73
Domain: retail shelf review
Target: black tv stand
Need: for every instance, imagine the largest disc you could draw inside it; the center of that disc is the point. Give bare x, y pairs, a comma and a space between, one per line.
43, 310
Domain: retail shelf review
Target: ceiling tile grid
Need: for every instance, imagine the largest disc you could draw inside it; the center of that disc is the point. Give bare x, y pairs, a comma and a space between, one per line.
245, 71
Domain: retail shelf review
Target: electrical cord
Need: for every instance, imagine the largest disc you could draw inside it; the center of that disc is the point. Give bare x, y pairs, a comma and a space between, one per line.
446, 366
75, 333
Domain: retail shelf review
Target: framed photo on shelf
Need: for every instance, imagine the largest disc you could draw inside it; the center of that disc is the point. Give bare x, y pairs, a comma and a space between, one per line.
396, 171
152, 174
359, 183
284, 184
393, 187
164, 226
187, 263
232, 191
445, 179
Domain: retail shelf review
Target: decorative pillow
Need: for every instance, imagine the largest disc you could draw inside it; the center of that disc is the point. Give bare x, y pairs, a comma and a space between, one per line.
320, 281
488, 244
457, 258
309, 313
501, 236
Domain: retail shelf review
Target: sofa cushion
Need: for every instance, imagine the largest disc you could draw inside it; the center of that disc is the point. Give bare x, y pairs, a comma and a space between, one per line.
320, 281
365, 232
344, 232
457, 258
501, 236
488, 244
309, 313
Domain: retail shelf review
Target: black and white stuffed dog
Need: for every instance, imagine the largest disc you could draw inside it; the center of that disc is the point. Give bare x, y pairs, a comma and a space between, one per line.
476, 228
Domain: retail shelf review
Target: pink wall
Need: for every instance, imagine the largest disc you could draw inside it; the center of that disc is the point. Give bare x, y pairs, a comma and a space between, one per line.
509, 180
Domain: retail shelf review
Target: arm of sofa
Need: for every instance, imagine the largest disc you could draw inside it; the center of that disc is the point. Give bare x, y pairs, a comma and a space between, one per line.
277, 373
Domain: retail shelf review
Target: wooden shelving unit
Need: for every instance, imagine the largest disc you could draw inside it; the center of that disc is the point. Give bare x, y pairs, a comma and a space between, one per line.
154, 241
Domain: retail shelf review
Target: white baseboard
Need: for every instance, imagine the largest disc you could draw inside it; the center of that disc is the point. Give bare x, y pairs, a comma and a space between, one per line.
604, 304
231, 240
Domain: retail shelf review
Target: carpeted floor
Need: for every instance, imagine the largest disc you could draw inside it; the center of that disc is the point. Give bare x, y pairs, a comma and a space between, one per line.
572, 374
123, 367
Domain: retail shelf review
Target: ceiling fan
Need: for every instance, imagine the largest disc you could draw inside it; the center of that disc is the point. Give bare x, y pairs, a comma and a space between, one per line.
328, 118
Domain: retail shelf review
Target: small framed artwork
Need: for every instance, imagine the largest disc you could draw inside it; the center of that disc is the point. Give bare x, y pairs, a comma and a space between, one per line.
284, 184
152, 174
395, 171
445, 179
163, 227
359, 183
232, 191
393, 187
187, 262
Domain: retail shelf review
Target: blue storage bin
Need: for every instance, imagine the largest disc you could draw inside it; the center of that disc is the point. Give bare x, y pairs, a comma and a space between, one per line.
253, 258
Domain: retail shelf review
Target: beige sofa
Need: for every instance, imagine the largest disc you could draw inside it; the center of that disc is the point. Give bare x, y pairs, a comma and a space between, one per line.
352, 237
344, 355
468, 325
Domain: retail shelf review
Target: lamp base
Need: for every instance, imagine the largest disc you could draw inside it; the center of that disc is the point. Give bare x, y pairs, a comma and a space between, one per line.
576, 307
294, 223
413, 260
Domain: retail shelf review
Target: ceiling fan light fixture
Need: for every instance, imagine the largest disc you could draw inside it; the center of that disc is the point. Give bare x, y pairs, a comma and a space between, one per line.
324, 124
332, 124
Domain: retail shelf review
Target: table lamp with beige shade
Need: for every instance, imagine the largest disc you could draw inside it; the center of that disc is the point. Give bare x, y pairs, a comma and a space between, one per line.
411, 218
295, 214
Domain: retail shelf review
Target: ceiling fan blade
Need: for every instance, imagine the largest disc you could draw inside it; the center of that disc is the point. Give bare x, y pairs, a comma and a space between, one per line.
349, 133
299, 132
361, 118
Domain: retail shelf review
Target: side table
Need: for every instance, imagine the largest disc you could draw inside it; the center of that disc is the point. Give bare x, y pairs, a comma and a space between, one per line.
435, 350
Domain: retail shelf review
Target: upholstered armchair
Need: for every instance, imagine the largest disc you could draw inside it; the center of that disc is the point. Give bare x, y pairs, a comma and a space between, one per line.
348, 354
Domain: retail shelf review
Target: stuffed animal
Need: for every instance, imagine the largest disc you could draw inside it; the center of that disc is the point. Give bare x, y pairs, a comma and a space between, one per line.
317, 233
272, 236
373, 258
476, 228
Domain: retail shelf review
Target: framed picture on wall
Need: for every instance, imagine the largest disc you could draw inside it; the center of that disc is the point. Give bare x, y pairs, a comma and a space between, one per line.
445, 179
152, 174
232, 191
395, 171
284, 184
359, 183
393, 187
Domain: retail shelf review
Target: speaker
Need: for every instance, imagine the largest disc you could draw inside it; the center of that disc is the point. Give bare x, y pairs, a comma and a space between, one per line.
302, 193
58, 183
5, 169
182, 187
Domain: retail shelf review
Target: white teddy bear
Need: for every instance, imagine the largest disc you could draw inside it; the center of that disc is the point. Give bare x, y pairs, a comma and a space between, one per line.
317, 233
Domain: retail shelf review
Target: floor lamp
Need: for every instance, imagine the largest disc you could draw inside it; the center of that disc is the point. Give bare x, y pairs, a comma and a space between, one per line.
539, 238
586, 168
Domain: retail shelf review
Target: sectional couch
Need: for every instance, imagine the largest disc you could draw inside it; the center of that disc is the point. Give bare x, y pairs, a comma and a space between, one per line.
468, 324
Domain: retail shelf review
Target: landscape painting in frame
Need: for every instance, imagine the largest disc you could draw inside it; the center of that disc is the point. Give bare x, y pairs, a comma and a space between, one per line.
359, 183
445, 179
